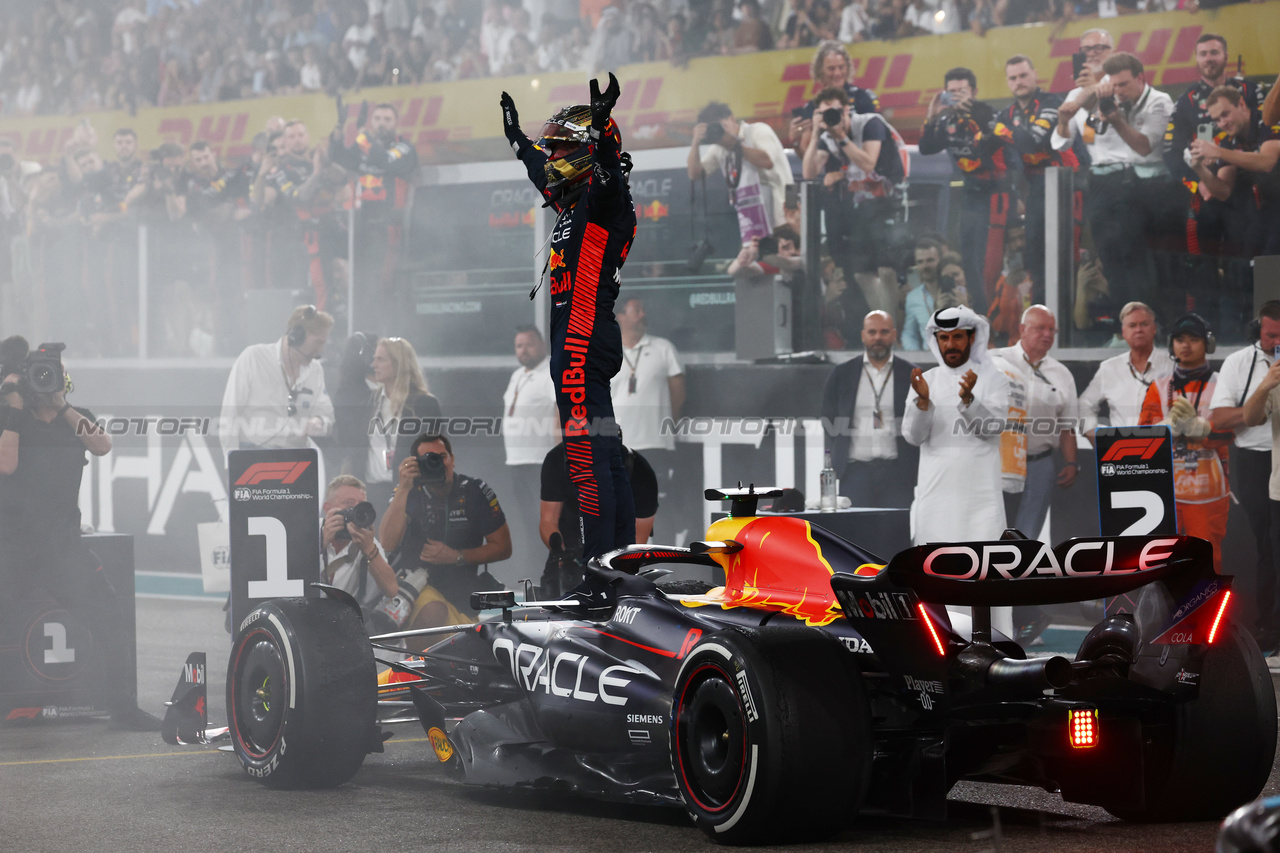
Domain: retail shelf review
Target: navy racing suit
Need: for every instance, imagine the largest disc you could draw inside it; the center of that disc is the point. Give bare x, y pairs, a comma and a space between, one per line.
589, 244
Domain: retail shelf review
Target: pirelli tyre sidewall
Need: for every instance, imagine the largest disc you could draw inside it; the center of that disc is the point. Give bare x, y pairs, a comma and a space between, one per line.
770, 735
301, 693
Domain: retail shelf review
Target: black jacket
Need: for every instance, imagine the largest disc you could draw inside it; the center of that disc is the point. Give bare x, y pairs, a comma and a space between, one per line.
838, 397
418, 406
353, 422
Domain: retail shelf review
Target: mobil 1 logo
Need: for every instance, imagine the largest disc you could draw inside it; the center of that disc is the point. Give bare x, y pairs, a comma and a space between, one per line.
275, 526
1135, 481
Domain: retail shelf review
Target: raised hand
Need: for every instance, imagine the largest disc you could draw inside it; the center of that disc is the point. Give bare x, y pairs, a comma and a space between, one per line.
966, 386
510, 118
602, 102
921, 388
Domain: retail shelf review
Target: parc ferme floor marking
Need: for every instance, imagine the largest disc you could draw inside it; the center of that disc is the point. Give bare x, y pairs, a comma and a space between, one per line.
105, 758
158, 754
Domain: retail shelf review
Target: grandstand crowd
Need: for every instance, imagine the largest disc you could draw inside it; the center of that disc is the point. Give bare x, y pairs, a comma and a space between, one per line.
76, 56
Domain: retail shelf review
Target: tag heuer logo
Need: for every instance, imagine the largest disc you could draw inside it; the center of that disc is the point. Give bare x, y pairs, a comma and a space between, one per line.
242, 494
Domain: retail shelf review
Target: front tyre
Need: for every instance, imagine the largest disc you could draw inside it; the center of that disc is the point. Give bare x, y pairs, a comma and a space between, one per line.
771, 735
302, 693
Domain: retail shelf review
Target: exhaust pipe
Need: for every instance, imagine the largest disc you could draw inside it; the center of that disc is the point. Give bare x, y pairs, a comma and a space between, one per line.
1035, 674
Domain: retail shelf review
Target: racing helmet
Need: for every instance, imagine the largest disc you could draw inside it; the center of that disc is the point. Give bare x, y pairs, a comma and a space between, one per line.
570, 123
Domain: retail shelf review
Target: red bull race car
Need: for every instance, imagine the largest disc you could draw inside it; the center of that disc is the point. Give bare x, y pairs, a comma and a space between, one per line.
817, 683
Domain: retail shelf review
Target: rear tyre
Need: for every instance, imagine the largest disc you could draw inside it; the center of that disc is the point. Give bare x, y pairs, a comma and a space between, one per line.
1223, 741
771, 735
302, 693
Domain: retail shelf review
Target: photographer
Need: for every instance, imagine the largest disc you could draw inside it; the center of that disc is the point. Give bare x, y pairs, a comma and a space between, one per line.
1130, 192
1239, 166
351, 553
447, 523
43, 439
750, 156
159, 195
858, 159
972, 134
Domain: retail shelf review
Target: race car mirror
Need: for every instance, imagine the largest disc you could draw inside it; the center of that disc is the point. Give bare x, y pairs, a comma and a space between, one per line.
275, 526
1135, 481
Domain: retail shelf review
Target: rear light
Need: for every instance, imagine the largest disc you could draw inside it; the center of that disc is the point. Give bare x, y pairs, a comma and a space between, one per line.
933, 632
1083, 727
1217, 620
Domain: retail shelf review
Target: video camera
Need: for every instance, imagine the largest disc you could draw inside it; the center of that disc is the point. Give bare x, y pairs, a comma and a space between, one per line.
431, 468
39, 372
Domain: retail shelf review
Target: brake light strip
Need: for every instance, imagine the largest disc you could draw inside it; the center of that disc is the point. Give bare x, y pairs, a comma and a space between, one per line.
937, 641
1222, 608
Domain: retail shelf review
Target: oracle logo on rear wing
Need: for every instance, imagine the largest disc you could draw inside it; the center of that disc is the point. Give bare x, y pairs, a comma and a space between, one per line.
1013, 561
1024, 571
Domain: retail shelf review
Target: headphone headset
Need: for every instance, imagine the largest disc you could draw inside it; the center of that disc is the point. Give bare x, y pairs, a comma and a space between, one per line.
1254, 330
298, 331
1210, 342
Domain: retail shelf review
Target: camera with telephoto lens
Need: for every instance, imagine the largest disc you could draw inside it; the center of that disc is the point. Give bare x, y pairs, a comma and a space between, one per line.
1106, 104
39, 372
715, 133
362, 515
394, 611
431, 468
831, 116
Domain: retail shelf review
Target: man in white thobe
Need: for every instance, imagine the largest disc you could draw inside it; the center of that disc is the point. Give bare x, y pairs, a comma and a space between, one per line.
955, 413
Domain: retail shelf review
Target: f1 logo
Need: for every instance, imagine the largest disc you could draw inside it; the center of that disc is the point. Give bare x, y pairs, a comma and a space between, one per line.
1142, 448
265, 472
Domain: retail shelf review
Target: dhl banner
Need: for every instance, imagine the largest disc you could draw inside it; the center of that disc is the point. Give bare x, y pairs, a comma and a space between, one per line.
460, 121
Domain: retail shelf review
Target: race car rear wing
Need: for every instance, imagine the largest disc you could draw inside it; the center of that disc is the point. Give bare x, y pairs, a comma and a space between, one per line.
1013, 572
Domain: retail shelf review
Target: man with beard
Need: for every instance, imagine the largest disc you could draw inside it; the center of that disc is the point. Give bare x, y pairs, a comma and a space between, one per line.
1205, 214
303, 183
862, 405
955, 414
945, 414
1031, 119
385, 163
530, 427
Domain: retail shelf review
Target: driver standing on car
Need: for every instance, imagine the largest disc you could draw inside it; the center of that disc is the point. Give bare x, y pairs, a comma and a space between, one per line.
580, 169
447, 523
43, 439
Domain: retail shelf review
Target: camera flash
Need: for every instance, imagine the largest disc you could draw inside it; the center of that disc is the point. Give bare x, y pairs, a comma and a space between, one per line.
940, 15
